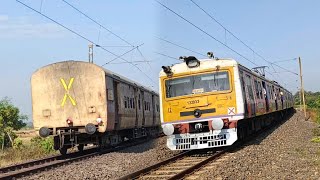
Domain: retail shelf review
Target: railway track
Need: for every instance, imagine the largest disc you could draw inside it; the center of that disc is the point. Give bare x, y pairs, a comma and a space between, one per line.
178, 166
191, 164
35, 166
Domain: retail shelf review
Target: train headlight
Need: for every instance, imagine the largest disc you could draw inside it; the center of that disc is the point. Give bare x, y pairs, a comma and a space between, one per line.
217, 124
168, 129
90, 128
192, 62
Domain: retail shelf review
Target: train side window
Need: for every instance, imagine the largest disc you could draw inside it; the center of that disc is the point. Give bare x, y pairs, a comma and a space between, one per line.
139, 102
133, 103
249, 86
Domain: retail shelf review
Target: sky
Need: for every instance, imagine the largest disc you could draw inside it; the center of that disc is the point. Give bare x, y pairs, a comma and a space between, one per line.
276, 30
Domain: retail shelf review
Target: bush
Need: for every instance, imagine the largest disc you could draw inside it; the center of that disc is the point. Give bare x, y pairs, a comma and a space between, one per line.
46, 144
17, 144
10, 119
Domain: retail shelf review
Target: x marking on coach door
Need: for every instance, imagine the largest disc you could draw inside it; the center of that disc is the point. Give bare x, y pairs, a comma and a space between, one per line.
67, 95
231, 111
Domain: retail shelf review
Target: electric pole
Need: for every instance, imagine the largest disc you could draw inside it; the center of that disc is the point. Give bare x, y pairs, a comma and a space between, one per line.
90, 53
302, 91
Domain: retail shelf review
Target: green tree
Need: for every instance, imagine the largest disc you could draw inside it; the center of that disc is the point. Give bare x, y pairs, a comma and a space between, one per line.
10, 120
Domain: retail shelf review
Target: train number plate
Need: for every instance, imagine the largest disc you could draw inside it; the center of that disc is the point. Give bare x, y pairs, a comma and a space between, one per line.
194, 102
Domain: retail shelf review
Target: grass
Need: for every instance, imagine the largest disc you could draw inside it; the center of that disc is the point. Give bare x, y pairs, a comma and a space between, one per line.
12, 156
316, 139
28, 150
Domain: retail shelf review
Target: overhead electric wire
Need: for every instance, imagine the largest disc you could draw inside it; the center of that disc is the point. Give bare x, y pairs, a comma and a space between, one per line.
101, 26
292, 59
144, 58
167, 56
206, 33
214, 19
83, 37
175, 44
97, 23
130, 61
121, 55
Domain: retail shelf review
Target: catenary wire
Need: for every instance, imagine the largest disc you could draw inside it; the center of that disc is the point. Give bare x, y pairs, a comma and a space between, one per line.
85, 38
214, 19
175, 44
97, 23
197, 27
121, 55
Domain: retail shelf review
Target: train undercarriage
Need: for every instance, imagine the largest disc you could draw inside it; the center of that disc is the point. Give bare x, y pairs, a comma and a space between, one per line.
71, 137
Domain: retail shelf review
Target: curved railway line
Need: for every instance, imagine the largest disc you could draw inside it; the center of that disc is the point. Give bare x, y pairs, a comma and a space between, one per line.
35, 166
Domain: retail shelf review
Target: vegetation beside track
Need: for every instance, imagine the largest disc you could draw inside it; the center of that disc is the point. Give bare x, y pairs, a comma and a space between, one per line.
313, 110
27, 149
16, 143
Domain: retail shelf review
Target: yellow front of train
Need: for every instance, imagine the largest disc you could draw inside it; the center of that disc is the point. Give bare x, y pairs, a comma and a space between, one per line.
199, 103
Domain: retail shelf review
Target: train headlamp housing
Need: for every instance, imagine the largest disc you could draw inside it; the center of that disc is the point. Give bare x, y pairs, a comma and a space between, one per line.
217, 124
192, 62
168, 129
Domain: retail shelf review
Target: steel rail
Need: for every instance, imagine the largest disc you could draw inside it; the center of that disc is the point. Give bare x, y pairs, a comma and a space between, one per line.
35, 166
153, 168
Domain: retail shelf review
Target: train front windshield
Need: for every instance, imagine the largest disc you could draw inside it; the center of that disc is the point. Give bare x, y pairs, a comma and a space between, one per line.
211, 82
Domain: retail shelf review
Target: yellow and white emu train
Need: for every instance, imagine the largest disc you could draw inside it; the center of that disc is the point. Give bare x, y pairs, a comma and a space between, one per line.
215, 102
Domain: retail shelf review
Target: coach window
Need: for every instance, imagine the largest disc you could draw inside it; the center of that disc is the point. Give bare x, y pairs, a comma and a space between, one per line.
139, 102
133, 102
249, 86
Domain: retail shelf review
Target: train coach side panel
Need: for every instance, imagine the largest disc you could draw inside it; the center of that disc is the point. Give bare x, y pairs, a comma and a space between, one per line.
156, 106
148, 109
69, 90
126, 106
140, 112
112, 101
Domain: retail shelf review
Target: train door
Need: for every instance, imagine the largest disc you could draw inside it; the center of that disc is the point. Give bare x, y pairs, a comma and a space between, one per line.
244, 93
135, 102
265, 95
116, 104
250, 96
143, 109
257, 95
153, 110
274, 90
